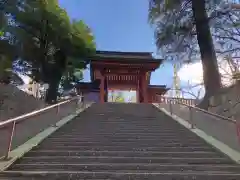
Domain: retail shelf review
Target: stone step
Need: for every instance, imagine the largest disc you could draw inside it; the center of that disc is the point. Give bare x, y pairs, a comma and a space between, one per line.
134, 168
126, 144
123, 148
133, 126
119, 143
45, 175
111, 159
115, 131
97, 138
117, 140
128, 122
122, 135
125, 134
111, 147
127, 154
140, 154
164, 128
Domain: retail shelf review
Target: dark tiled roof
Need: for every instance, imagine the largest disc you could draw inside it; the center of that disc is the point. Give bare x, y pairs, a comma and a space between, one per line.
89, 85
157, 86
124, 56
119, 53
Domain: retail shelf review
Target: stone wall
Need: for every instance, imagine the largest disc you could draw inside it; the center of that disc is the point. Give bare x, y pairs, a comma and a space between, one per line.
14, 102
92, 97
227, 102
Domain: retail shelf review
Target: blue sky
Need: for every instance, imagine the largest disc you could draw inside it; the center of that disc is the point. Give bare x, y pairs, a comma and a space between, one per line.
119, 26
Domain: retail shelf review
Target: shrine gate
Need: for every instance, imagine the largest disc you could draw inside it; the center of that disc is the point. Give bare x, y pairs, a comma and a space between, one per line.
123, 71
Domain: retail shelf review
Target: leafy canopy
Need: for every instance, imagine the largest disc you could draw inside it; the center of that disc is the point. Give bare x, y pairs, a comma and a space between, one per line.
175, 30
46, 40
43, 28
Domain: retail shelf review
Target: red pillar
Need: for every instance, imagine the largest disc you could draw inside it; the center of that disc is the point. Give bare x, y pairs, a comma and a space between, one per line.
144, 87
137, 91
137, 95
102, 88
106, 91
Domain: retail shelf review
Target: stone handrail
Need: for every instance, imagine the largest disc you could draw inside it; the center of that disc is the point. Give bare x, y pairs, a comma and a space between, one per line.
168, 100
14, 121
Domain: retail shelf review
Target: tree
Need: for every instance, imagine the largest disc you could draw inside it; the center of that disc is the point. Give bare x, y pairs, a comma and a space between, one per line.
71, 78
119, 97
182, 27
49, 42
226, 33
188, 91
7, 51
229, 71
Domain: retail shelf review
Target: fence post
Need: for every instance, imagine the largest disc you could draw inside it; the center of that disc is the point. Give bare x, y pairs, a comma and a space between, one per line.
238, 131
58, 109
170, 107
77, 104
12, 131
80, 102
191, 117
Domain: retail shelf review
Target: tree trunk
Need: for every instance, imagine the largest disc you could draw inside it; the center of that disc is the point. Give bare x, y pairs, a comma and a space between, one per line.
52, 91
211, 75
53, 74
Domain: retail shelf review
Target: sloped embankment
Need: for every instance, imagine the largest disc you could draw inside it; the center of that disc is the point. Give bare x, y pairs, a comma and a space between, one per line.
14, 102
228, 102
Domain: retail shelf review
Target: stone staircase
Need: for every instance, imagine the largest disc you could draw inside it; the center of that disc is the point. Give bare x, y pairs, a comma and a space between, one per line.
123, 141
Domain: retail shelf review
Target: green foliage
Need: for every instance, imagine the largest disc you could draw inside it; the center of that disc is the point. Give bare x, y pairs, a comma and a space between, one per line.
119, 99
236, 76
71, 77
45, 38
5, 68
6, 50
6, 59
43, 26
237, 25
82, 34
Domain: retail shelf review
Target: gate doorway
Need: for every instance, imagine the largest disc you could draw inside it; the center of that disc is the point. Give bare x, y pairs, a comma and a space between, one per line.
121, 96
